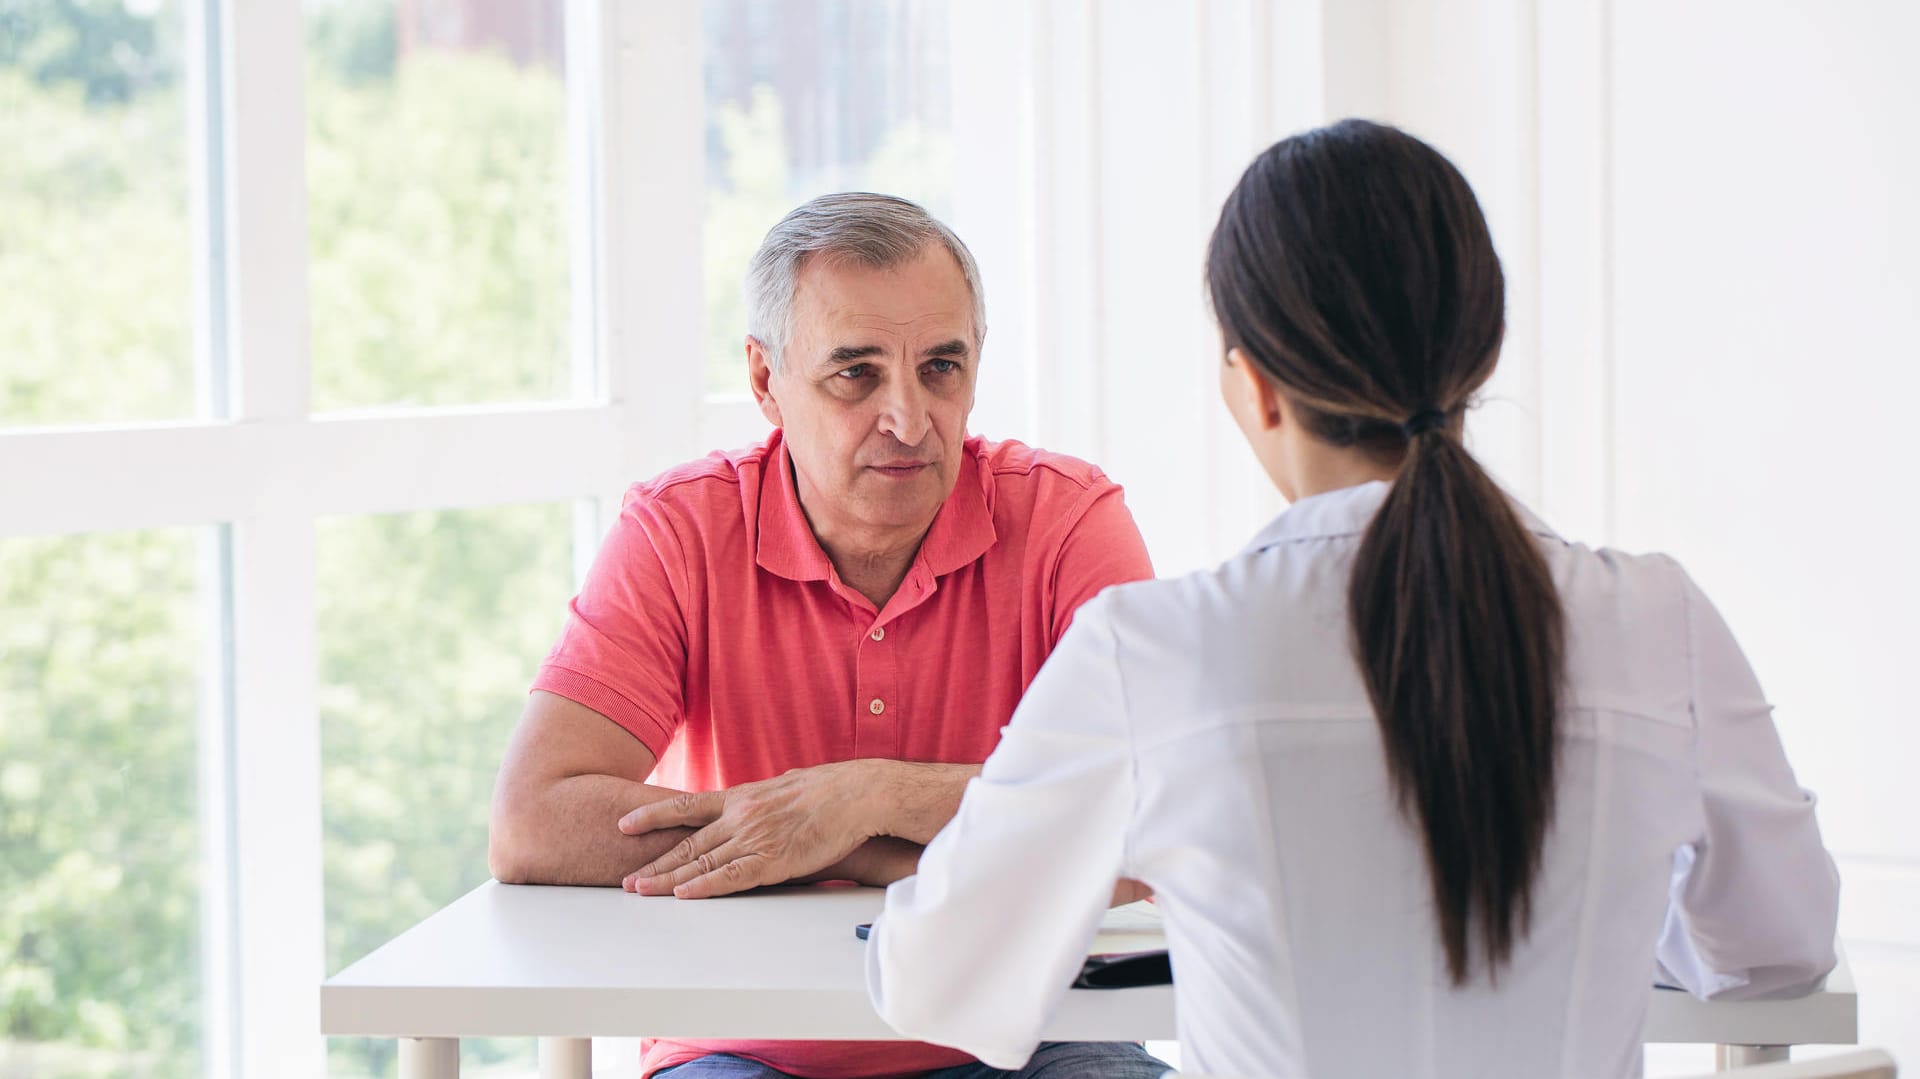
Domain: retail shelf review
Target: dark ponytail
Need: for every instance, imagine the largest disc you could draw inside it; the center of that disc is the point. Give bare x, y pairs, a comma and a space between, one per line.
1353, 265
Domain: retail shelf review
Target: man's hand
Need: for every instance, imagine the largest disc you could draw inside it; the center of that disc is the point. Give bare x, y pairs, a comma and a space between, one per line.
756, 834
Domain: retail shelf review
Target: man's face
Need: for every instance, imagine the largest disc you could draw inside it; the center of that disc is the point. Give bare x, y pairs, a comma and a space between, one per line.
874, 389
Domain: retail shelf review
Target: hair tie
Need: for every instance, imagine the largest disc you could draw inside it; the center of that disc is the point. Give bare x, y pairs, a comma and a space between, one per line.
1421, 422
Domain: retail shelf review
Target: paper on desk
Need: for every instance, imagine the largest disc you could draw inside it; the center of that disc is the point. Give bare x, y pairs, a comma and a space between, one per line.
1135, 927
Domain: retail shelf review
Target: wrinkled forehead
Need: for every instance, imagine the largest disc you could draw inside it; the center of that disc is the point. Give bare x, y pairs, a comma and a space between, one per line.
928, 294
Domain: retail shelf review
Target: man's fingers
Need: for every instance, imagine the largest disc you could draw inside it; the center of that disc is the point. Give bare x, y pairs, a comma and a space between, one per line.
693, 809
737, 875
685, 851
699, 865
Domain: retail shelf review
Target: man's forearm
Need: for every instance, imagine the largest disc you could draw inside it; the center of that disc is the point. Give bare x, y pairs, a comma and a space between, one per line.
566, 832
878, 862
922, 799
917, 800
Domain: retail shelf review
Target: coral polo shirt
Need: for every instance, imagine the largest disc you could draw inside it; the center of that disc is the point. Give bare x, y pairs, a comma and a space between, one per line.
714, 629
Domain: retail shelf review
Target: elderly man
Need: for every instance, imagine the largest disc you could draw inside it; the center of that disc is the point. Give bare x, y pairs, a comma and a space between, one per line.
811, 645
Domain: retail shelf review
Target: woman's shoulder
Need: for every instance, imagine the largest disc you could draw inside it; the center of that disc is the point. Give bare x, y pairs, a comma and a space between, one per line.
1628, 629
1271, 623
1240, 637
1608, 584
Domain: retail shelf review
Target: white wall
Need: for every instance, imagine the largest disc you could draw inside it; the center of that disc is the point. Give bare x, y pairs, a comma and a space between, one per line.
1096, 142
1765, 386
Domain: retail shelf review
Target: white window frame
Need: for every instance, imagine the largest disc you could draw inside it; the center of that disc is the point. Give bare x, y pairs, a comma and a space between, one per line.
259, 468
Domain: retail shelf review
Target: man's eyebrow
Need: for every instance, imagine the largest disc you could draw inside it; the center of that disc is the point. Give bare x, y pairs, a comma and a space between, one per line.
955, 347
846, 353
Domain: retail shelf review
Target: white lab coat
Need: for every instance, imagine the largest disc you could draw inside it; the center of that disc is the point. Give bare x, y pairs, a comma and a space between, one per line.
1211, 736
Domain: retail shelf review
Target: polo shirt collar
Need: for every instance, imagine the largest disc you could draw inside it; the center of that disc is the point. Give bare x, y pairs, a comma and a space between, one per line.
1347, 511
963, 529
784, 544
961, 532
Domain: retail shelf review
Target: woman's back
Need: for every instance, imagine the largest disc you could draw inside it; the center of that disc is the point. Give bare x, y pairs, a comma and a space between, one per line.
1296, 893
1419, 785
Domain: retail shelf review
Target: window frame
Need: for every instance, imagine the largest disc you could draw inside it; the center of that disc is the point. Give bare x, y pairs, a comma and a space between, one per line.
257, 467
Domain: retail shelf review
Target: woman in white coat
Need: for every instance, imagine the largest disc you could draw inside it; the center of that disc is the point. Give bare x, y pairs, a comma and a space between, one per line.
1422, 789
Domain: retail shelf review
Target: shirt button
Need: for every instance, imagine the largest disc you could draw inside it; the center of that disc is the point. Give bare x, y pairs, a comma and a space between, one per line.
876, 706
879, 634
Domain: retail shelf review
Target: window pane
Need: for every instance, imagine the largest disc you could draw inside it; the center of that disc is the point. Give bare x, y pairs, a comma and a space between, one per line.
431, 626
95, 262
99, 851
806, 97
437, 187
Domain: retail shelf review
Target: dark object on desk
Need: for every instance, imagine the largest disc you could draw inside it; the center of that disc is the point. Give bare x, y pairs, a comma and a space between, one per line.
1118, 970
1125, 970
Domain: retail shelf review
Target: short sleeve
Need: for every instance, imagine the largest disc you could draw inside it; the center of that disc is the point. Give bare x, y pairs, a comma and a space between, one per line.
978, 948
1103, 547
623, 652
1755, 898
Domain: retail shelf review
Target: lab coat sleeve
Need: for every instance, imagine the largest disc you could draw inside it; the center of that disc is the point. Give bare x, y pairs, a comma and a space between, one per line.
1755, 898
978, 949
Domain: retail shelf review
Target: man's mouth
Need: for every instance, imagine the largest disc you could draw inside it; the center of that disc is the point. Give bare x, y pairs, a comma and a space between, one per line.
901, 469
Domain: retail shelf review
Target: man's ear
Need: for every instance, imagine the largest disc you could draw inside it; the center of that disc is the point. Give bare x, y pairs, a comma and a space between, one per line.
760, 377
1258, 399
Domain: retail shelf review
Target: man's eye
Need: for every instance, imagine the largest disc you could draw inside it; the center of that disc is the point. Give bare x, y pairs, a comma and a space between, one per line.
858, 370
943, 367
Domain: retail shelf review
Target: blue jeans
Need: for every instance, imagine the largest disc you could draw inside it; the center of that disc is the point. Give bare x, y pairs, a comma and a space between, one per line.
1053, 1060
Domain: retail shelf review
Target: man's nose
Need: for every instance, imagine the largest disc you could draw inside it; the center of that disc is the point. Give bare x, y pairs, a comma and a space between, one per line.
904, 413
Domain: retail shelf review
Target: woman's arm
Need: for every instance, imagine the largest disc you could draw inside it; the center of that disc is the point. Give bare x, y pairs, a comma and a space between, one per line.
976, 949
1756, 899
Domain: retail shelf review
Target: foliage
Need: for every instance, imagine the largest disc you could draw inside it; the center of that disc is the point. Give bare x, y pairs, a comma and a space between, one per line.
94, 228
99, 635
109, 50
99, 875
355, 41
431, 625
438, 277
437, 222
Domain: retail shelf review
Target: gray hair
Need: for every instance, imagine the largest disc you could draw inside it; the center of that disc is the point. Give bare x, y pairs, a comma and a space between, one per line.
875, 231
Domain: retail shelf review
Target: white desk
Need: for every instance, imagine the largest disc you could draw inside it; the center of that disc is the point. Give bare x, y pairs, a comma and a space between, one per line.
570, 964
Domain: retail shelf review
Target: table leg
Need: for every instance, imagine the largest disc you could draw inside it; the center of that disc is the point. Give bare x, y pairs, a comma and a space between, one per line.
1729, 1057
566, 1058
429, 1058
